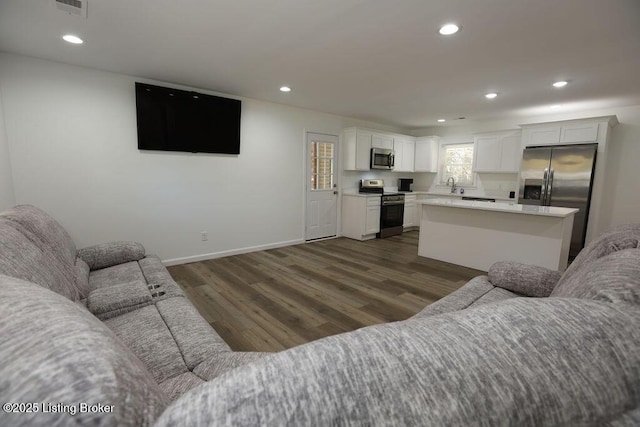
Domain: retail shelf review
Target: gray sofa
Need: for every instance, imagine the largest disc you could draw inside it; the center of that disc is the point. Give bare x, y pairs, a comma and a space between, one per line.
127, 301
520, 346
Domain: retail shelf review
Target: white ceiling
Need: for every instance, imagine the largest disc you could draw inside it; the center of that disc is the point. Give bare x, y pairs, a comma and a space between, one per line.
379, 60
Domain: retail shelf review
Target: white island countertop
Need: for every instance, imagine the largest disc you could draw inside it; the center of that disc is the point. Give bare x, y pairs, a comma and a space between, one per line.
501, 207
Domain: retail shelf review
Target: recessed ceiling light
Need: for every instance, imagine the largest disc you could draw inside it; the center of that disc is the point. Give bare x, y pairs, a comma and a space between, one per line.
490, 95
285, 89
559, 84
448, 29
441, 120
72, 39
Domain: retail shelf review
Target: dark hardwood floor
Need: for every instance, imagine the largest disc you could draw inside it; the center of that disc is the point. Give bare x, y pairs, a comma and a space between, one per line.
279, 298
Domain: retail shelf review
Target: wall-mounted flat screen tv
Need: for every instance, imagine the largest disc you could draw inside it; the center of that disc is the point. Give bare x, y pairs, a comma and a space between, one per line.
178, 120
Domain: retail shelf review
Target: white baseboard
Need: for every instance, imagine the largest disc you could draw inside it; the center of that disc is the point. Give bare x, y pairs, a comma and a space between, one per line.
203, 257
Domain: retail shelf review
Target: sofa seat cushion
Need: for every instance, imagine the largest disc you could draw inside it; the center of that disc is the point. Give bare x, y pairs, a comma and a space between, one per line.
110, 301
180, 384
223, 362
21, 257
459, 299
494, 295
195, 338
519, 362
53, 350
121, 273
145, 333
613, 278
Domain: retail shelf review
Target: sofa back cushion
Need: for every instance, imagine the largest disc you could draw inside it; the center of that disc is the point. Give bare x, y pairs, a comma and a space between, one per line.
46, 229
54, 351
21, 257
613, 278
618, 238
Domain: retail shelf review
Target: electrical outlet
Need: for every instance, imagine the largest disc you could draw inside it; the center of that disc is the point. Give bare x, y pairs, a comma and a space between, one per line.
204, 236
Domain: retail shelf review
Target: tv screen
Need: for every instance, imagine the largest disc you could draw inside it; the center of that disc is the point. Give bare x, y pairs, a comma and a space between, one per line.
178, 120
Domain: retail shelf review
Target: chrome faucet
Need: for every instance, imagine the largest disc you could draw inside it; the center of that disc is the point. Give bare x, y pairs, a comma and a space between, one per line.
453, 184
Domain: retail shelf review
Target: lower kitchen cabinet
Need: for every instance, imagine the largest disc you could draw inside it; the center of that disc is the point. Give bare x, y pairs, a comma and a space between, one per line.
360, 216
410, 211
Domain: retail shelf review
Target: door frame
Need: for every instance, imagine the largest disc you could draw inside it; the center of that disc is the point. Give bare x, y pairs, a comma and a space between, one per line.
306, 183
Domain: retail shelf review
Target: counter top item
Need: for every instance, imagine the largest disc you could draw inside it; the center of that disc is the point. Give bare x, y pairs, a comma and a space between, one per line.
476, 234
501, 207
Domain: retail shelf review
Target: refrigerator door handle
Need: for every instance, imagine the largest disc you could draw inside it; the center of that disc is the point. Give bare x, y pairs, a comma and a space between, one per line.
545, 184
550, 186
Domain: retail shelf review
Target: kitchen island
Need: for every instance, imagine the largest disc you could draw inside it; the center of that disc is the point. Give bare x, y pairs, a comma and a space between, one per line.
476, 234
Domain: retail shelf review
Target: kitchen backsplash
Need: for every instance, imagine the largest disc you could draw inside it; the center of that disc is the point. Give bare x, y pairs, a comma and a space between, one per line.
421, 181
487, 184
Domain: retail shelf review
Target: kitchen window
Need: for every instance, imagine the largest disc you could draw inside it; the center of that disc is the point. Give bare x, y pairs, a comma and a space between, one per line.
456, 160
322, 163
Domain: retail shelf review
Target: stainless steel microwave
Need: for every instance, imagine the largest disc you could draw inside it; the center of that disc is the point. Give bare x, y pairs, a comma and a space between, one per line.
382, 158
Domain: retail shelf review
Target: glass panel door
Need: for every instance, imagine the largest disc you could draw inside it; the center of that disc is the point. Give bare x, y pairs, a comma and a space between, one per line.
322, 165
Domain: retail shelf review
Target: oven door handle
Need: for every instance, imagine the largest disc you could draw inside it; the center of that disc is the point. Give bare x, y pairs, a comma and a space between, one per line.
392, 203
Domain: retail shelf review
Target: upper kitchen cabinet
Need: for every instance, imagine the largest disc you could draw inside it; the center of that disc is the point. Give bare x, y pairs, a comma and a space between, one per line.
584, 132
356, 151
569, 133
497, 152
426, 154
382, 141
405, 152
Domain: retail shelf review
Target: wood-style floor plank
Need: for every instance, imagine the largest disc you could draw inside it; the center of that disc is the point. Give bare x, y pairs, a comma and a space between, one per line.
276, 299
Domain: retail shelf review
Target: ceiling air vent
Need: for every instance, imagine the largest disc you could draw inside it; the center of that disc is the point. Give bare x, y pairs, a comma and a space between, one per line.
73, 7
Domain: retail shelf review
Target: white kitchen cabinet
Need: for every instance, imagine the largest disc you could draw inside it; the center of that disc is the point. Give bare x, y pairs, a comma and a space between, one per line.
511, 153
405, 152
583, 132
569, 133
382, 141
410, 212
426, 154
542, 136
360, 216
356, 151
497, 152
372, 223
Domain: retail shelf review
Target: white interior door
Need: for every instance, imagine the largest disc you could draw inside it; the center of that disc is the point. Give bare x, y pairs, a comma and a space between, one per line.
322, 194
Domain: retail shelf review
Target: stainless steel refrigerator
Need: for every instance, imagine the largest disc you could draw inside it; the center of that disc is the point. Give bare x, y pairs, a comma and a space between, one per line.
560, 176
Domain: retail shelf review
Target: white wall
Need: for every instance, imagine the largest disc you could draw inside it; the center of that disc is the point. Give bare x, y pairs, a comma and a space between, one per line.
72, 140
621, 201
7, 197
